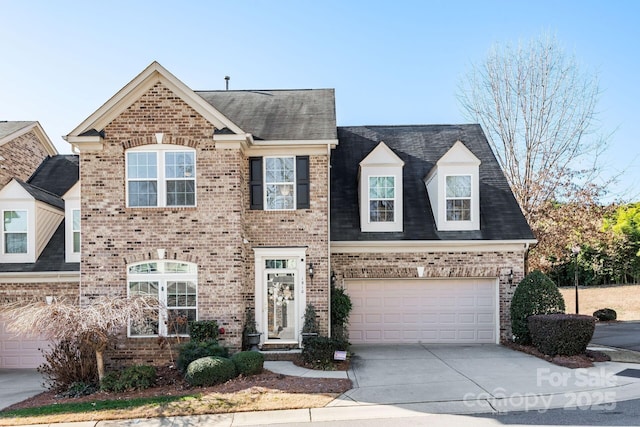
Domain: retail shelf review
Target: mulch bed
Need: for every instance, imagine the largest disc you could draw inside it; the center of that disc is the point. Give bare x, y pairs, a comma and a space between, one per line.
169, 382
579, 361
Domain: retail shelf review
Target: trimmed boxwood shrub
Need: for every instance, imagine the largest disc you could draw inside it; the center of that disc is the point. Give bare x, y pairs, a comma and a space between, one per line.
210, 371
248, 362
536, 294
137, 377
193, 350
563, 334
319, 351
203, 330
605, 314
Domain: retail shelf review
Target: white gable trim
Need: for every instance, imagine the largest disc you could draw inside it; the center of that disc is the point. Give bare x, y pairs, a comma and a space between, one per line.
382, 155
126, 96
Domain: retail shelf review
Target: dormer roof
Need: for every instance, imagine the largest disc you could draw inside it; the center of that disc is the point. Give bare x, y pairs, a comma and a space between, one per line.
420, 147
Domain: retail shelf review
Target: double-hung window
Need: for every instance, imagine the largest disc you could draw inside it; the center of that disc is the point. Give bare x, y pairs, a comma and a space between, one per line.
14, 230
381, 198
161, 177
458, 197
175, 285
279, 183
280, 173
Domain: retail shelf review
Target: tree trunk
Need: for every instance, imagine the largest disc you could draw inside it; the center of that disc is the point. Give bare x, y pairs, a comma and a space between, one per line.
100, 363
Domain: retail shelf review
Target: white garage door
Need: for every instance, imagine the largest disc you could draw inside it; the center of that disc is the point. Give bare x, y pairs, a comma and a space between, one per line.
428, 311
19, 352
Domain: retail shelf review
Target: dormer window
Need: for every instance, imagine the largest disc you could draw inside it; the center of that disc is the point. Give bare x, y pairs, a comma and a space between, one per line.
381, 198
458, 197
454, 190
14, 232
380, 191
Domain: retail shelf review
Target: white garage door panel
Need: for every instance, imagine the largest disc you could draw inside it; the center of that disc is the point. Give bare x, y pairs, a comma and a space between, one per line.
430, 311
20, 352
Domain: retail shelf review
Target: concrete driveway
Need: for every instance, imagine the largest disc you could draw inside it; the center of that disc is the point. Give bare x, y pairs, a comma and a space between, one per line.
624, 335
17, 385
475, 378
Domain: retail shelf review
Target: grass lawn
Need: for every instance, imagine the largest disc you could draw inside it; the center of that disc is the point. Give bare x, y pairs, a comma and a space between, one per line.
624, 299
255, 399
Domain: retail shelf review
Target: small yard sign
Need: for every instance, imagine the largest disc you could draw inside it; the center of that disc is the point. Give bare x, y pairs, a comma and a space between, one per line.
340, 355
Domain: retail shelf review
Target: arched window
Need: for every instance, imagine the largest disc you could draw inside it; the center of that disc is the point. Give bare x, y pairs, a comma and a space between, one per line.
175, 285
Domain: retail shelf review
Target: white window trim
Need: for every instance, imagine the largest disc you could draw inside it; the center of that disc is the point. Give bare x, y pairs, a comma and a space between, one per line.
161, 279
23, 256
470, 198
266, 184
160, 151
394, 199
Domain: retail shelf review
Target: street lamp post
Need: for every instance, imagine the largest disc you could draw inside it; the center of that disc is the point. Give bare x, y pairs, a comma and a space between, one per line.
576, 251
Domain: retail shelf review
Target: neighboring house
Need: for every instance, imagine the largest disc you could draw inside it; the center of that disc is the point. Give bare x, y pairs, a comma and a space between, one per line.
37, 219
220, 202
23, 146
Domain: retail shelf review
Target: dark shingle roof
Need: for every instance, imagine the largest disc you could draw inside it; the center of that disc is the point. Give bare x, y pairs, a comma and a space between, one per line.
278, 114
53, 178
56, 174
51, 258
7, 127
420, 147
42, 195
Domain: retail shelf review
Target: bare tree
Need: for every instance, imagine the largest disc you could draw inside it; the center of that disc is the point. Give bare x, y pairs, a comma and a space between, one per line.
537, 108
95, 324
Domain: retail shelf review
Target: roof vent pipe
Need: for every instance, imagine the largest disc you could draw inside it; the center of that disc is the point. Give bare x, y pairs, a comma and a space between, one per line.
226, 81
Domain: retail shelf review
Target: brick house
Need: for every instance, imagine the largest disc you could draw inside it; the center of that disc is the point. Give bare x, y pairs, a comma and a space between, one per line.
220, 202
38, 192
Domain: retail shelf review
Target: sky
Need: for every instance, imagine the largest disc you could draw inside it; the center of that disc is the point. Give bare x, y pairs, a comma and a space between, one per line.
390, 62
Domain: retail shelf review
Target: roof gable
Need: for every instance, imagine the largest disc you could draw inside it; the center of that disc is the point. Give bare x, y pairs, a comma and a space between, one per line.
10, 130
382, 155
126, 96
459, 154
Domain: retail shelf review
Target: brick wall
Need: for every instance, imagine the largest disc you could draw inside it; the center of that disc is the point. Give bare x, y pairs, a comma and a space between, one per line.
209, 235
14, 292
22, 156
302, 227
496, 264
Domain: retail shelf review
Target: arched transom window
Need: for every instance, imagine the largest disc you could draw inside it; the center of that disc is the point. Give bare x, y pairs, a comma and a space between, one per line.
175, 285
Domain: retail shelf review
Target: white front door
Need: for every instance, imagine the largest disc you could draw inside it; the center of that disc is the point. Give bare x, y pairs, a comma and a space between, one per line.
280, 293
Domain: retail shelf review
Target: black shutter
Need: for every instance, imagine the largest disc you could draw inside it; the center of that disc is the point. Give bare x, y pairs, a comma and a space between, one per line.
302, 182
255, 183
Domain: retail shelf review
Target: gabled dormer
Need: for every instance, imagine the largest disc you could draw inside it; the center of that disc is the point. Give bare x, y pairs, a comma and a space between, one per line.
380, 190
30, 216
453, 188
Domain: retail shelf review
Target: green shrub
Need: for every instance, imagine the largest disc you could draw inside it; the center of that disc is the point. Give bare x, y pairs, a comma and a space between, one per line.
203, 330
536, 294
340, 309
605, 314
193, 350
210, 371
563, 334
248, 362
137, 377
319, 351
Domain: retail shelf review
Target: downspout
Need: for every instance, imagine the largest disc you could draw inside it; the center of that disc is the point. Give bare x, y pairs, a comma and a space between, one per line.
329, 236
